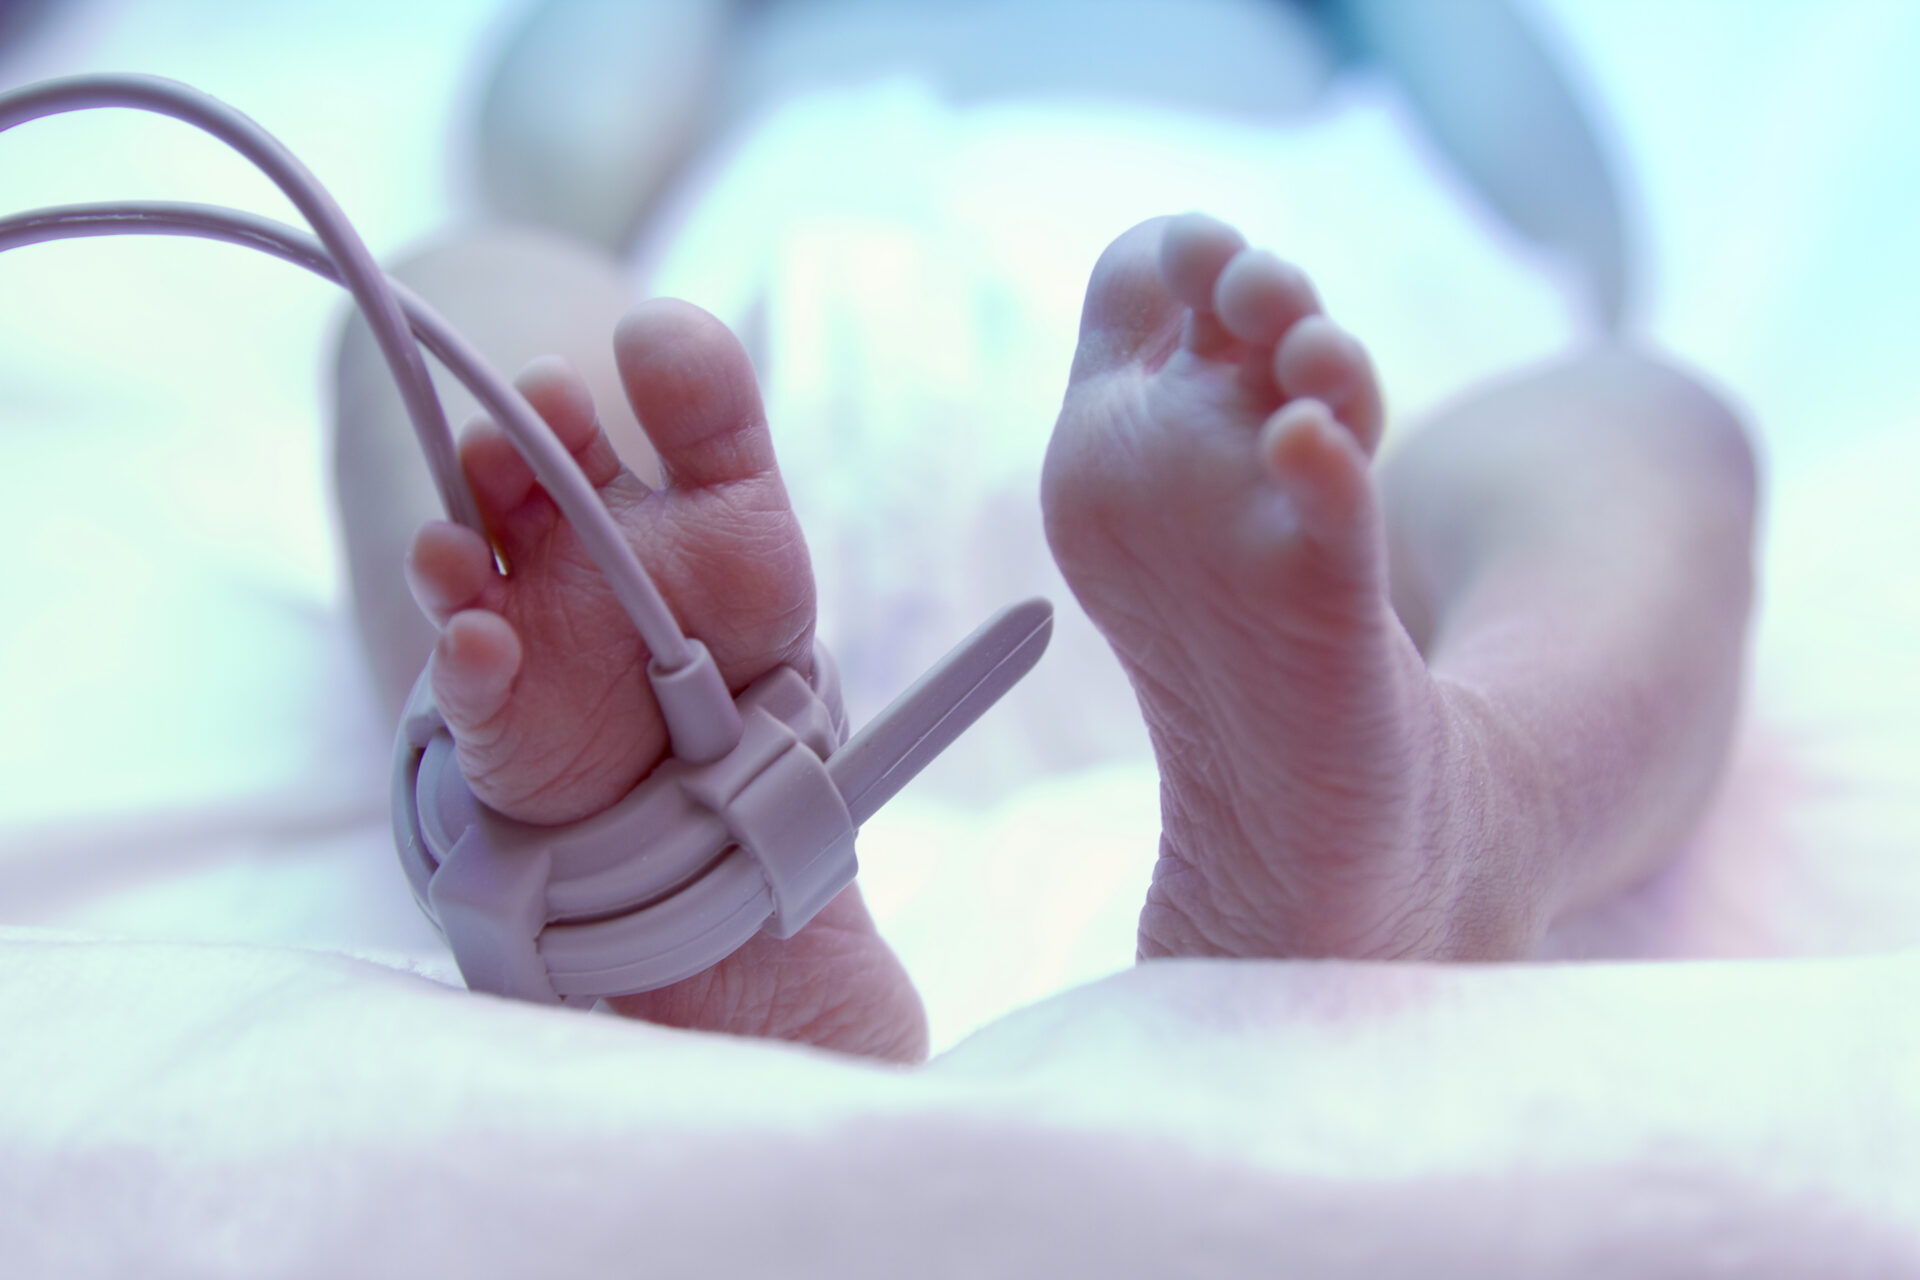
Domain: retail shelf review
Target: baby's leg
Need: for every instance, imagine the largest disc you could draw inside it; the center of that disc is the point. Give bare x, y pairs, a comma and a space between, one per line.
594, 107
1569, 554
539, 672
1572, 550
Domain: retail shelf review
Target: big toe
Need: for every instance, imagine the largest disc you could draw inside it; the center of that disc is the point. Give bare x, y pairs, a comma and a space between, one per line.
693, 388
1129, 311
739, 576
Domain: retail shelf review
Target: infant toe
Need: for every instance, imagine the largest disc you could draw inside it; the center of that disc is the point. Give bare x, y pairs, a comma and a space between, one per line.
474, 666
561, 397
500, 478
1318, 359
448, 568
1259, 297
1193, 252
692, 385
1320, 468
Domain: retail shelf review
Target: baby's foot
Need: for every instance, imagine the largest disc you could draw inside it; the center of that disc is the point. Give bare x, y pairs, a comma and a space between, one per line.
541, 675
1206, 494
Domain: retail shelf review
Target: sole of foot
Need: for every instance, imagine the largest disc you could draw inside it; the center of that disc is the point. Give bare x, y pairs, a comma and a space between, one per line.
1207, 496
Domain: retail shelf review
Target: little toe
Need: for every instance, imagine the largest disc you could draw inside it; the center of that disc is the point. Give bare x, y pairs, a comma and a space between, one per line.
1319, 466
693, 389
1259, 297
448, 568
1319, 360
474, 666
561, 397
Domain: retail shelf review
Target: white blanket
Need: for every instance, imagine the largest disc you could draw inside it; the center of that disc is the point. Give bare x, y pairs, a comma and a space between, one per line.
192, 791
261, 1112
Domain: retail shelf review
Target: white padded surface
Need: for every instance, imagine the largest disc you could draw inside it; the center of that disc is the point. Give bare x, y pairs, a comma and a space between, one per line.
261, 1112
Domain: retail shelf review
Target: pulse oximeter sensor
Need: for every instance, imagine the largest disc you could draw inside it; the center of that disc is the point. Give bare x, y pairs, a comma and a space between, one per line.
749, 824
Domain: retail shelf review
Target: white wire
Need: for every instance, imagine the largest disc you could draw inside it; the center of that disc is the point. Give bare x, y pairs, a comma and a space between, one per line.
391, 311
343, 245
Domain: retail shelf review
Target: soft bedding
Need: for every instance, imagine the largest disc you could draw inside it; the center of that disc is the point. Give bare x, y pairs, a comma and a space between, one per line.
234, 1046
257, 1111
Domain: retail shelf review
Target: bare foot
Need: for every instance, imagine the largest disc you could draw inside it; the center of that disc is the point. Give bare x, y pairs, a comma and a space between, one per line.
541, 676
1207, 496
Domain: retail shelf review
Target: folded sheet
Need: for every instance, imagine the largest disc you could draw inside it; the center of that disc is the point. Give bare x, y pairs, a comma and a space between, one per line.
213, 1110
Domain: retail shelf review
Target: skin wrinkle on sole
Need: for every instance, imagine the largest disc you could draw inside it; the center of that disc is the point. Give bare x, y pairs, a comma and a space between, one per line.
1323, 791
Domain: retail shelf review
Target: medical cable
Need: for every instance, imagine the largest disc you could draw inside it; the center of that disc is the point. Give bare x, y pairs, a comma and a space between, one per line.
748, 827
701, 719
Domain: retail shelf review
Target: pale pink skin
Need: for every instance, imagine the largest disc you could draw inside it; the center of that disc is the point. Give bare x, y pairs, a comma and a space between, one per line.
541, 675
1415, 714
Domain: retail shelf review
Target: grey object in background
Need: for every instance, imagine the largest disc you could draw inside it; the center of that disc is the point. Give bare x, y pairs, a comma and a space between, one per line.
1492, 98
697, 858
18, 18
596, 105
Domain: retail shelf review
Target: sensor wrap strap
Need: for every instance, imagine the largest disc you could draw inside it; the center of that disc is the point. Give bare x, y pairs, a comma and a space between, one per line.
651, 890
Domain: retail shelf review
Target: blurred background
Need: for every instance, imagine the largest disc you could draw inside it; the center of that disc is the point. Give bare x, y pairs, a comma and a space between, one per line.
898, 206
